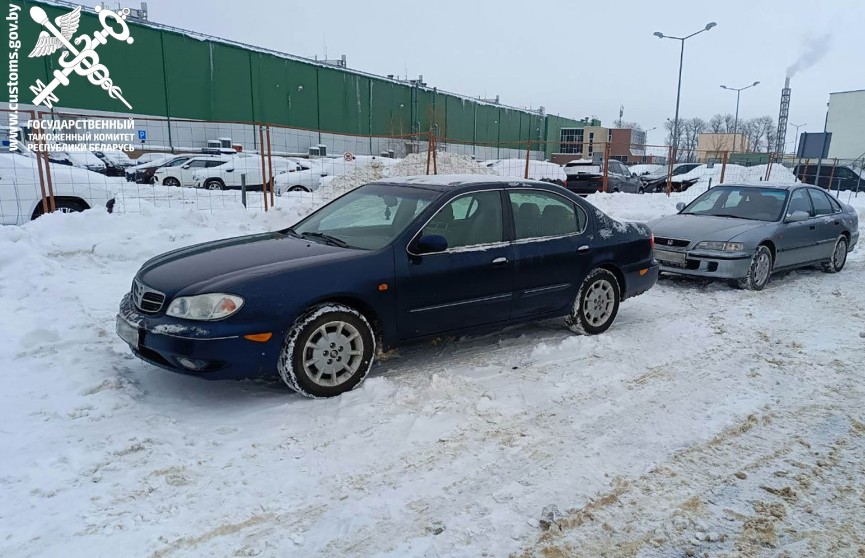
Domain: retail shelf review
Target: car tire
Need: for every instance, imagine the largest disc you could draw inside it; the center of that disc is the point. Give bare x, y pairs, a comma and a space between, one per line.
62, 206
759, 271
298, 188
311, 362
839, 256
596, 304
214, 185
171, 181
641, 190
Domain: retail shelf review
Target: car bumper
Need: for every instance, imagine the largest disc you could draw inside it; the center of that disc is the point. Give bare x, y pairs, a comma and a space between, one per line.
174, 345
638, 281
705, 265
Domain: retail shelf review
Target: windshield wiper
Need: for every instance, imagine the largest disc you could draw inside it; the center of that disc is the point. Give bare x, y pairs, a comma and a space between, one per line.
327, 238
290, 231
734, 216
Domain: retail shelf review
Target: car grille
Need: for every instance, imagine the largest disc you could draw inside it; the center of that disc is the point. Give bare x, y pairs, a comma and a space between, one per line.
661, 242
146, 299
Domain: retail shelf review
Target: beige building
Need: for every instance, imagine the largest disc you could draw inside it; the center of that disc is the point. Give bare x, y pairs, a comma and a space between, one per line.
711, 147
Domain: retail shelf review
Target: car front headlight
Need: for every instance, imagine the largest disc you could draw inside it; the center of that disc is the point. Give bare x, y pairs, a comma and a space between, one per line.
205, 307
720, 246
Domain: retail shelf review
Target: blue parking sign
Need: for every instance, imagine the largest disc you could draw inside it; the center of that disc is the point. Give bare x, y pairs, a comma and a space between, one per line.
142, 135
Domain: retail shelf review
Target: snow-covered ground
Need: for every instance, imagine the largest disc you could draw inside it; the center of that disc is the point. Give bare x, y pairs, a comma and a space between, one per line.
706, 421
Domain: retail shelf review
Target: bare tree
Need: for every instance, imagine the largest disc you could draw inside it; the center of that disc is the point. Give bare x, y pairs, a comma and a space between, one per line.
691, 130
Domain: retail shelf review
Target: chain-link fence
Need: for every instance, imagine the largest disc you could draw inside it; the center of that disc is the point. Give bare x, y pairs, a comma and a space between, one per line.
138, 164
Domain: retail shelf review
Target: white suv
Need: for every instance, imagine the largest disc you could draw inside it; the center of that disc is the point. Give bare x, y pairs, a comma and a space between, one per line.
180, 172
229, 174
75, 189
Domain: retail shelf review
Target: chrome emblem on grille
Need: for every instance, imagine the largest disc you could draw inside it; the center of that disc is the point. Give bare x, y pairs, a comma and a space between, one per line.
669, 243
137, 292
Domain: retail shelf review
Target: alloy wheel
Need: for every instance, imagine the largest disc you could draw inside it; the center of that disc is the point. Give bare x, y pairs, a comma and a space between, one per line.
599, 302
333, 353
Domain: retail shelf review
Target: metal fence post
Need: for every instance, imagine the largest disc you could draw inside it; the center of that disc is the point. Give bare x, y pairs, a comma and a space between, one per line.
261, 151
528, 155
243, 189
724, 166
606, 166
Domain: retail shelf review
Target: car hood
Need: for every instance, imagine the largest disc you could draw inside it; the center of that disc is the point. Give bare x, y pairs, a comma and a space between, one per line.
222, 263
697, 228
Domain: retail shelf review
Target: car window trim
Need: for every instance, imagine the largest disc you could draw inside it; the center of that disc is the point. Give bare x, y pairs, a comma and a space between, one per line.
460, 249
548, 237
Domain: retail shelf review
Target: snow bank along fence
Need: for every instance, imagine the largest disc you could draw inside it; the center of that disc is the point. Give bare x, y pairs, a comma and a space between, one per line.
269, 145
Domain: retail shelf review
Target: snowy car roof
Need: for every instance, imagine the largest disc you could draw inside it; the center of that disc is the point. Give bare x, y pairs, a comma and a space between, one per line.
447, 181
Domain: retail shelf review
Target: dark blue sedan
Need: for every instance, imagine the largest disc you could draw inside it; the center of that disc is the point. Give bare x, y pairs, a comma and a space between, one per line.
389, 263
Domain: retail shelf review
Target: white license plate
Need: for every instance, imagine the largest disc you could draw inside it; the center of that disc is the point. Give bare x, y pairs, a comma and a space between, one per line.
667, 256
127, 332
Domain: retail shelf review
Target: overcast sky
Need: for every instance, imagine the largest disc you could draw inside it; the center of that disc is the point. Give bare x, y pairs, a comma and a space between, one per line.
575, 58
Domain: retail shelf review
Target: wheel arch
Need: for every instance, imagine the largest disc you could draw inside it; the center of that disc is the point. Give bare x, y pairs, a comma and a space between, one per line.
366, 310
772, 249
34, 213
617, 273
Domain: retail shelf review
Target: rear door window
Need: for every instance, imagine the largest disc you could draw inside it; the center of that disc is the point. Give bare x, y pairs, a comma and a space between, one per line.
800, 202
469, 220
822, 205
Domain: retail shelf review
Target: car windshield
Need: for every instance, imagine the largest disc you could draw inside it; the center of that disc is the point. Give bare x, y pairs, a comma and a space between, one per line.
741, 202
370, 217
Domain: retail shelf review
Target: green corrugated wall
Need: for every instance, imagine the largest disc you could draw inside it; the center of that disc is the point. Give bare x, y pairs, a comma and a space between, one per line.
169, 74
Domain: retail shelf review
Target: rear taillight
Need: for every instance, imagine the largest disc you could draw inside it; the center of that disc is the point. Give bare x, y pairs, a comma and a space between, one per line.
652, 241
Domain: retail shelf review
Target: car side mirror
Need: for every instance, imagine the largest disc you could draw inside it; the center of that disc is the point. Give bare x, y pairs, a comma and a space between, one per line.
680, 206
229, 170
798, 216
185, 167
431, 244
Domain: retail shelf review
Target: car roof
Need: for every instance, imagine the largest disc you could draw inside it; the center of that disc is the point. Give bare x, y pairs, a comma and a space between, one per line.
768, 185
447, 182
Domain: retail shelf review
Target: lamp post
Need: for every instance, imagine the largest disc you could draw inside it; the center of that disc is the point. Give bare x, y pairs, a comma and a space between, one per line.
738, 91
679, 87
796, 141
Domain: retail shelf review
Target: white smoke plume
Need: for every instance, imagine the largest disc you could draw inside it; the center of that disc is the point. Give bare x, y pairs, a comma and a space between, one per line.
813, 52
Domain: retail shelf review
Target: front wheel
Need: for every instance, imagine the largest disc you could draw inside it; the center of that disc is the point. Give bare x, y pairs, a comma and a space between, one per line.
759, 270
328, 351
62, 206
171, 181
596, 304
839, 256
214, 185
298, 188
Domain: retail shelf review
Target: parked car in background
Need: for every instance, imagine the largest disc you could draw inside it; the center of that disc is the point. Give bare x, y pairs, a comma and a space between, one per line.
305, 178
144, 173
389, 263
229, 175
841, 177
746, 233
75, 189
180, 172
81, 159
657, 182
152, 158
116, 162
585, 176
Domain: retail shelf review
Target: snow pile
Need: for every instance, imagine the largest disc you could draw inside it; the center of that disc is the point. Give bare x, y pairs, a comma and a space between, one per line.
538, 170
413, 165
445, 162
738, 174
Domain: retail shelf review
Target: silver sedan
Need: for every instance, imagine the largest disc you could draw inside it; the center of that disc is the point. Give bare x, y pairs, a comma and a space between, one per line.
746, 233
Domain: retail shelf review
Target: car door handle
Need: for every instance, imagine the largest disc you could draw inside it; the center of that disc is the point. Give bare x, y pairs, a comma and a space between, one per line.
500, 261
813, 227
583, 248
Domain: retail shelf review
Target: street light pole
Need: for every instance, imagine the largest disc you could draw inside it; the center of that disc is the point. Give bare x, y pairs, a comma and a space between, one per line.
738, 91
675, 151
796, 143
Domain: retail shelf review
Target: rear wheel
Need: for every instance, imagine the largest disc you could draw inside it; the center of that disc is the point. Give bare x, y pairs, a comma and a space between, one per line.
641, 190
328, 351
839, 256
63, 206
171, 181
298, 188
596, 304
214, 185
759, 271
